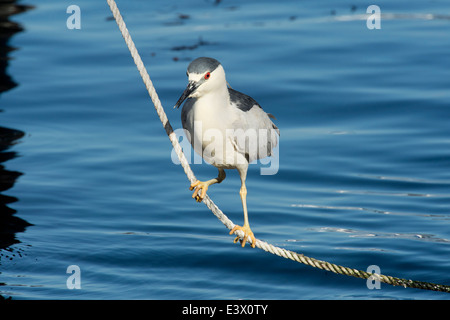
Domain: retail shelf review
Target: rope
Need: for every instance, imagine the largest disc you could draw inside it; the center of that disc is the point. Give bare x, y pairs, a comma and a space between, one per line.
221, 216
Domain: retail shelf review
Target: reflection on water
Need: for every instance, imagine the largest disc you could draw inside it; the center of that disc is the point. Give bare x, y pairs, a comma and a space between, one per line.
9, 224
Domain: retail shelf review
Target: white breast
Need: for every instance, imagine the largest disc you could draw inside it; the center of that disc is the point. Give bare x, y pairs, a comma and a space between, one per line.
226, 136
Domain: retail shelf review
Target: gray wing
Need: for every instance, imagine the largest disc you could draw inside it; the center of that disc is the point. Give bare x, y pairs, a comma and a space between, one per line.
252, 141
246, 103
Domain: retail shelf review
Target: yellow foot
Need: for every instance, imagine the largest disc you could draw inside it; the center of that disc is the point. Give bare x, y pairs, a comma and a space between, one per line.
247, 233
199, 185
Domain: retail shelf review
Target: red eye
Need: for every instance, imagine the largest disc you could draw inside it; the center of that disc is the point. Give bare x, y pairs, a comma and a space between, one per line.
207, 75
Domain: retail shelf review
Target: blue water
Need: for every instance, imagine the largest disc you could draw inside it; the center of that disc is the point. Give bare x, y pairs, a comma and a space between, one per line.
364, 173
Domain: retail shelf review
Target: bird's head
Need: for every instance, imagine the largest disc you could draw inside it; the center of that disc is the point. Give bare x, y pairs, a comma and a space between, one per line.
205, 75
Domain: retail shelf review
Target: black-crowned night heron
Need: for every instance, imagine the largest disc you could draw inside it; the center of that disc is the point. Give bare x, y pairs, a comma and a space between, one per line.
227, 128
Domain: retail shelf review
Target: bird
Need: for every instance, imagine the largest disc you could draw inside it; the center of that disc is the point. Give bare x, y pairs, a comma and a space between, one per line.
227, 128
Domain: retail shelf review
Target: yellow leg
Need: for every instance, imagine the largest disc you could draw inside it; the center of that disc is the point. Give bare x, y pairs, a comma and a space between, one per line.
202, 186
246, 227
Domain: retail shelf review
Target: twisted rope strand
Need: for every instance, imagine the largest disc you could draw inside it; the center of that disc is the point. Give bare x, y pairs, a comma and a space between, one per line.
221, 216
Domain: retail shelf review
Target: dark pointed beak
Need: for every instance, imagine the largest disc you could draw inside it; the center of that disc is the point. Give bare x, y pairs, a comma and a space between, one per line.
191, 87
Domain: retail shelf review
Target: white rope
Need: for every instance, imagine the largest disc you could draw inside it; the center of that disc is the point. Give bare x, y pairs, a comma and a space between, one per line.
217, 212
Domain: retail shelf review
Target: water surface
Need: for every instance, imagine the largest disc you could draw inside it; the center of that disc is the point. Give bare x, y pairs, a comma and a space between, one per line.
87, 176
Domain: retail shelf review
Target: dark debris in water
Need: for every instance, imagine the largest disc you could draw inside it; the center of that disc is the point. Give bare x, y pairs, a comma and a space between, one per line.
183, 16
194, 46
180, 20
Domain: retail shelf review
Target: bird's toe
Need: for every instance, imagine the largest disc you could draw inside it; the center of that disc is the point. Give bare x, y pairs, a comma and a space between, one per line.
248, 233
200, 190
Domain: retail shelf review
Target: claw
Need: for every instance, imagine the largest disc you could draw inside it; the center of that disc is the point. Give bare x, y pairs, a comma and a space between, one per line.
247, 234
199, 185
